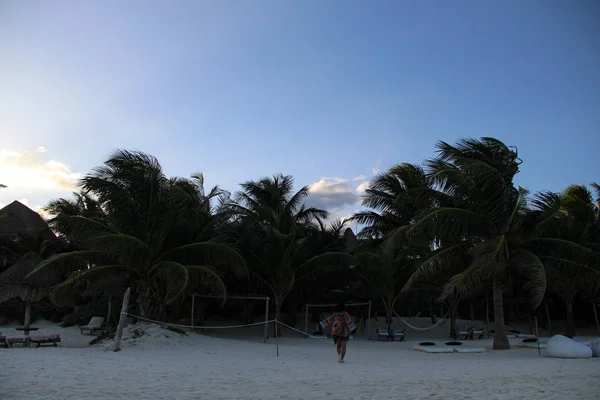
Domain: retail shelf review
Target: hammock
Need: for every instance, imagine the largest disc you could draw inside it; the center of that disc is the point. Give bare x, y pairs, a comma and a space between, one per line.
416, 328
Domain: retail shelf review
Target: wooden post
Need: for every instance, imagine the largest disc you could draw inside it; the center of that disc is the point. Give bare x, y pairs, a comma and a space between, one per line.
369, 320
277, 336
537, 334
596, 317
192, 312
27, 321
122, 320
306, 320
266, 319
108, 312
487, 315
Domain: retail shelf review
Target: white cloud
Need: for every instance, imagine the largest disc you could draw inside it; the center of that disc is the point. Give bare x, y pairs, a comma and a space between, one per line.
41, 149
362, 187
359, 178
27, 170
331, 194
33, 180
377, 169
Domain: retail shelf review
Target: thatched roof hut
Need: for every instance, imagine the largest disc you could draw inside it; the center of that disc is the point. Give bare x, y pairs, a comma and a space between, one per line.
17, 217
13, 284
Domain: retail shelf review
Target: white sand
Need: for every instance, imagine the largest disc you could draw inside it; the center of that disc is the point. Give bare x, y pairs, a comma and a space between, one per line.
165, 365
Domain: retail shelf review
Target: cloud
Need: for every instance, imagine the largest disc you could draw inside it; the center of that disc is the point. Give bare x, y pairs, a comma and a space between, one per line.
41, 149
27, 170
377, 169
33, 180
359, 178
362, 187
331, 194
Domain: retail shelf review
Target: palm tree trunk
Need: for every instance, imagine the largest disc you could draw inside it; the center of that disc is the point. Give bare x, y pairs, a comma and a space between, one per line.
500, 340
453, 314
570, 328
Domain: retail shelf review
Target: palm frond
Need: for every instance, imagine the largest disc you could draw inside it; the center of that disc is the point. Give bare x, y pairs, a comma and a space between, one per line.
66, 263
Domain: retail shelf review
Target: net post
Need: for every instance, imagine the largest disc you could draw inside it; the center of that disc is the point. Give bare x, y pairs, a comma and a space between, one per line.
369, 320
193, 304
306, 320
266, 319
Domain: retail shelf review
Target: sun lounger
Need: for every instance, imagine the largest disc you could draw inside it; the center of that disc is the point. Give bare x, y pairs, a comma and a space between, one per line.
430, 347
49, 340
10, 340
459, 347
95, 326
383, 332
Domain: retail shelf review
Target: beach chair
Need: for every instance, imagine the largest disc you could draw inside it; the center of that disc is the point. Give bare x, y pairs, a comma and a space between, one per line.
95, 326
397, 333
479, 332
49, 340
384, 332
463, 330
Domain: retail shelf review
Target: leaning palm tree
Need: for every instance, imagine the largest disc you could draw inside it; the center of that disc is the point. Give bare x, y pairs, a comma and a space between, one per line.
139, 240
491, 218
271, 225
485, 215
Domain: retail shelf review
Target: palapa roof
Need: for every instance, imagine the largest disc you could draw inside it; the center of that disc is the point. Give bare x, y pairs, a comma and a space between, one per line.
14, 285
18, 218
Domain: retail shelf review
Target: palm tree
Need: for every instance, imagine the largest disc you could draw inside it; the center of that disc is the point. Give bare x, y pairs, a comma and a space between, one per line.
272, 225
486, 217
139, 237
396, 198
570, 272
385, 269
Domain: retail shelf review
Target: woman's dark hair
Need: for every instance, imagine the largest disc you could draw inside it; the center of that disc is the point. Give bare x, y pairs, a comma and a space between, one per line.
341, 307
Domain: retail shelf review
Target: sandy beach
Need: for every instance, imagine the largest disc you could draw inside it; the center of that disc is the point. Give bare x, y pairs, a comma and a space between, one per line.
162, 364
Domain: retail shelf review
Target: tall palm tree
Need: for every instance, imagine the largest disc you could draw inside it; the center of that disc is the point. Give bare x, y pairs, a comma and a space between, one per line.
140, 238
272, 227
486, 214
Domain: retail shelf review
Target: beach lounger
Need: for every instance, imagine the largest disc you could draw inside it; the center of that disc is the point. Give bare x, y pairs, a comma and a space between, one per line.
387, 333
95, 326
10, 340
383, 332
49, 340
430, 347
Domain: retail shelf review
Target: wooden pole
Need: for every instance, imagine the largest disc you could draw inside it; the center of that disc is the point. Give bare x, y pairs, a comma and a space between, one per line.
487, 315
596, 317
108, 312
266, 319
124, 308
306, 320
277, 336
537, 334
369, 320
27, 321
193, 309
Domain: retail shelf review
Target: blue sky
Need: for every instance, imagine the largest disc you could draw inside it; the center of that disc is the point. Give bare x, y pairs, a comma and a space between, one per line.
326, 91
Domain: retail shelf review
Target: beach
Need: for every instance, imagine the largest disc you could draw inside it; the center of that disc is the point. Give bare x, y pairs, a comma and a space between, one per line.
162, 364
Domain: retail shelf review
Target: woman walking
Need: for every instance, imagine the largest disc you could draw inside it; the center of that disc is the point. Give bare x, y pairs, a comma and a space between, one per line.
342, 327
